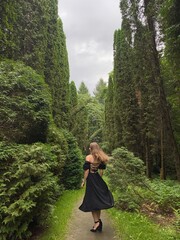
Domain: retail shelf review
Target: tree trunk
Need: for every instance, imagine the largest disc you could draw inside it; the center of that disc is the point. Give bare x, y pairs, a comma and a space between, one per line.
148, 163
162, 170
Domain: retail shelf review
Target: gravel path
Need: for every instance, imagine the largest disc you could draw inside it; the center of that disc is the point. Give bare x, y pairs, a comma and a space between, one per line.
81, 223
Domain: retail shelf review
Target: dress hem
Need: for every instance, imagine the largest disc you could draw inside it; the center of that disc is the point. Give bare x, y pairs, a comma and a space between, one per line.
97, 209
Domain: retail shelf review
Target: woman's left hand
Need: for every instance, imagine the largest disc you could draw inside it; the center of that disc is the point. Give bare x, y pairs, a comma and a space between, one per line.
82, 184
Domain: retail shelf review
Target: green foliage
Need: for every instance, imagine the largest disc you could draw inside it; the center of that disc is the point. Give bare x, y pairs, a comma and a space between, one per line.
28, 187
83, 89
25, 104
95, 111
100, 91
32, 32
134, 191
111, 134
80, 128
72, 171
59, 146
126, 175
89, 124
170, 13
166, 195
59, 82
73, 102
137, 115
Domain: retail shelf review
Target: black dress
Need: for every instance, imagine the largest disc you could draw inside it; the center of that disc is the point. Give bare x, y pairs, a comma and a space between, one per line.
97, 195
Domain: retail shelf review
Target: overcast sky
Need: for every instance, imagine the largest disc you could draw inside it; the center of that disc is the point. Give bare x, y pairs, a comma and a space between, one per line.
89, 27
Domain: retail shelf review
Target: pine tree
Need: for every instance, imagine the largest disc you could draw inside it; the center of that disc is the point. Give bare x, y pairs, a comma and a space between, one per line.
83, 89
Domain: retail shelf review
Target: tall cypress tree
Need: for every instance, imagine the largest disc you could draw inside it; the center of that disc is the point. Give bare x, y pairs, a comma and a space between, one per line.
73, 102
24, 32
110, 131
60, 79
32, 32
141, 118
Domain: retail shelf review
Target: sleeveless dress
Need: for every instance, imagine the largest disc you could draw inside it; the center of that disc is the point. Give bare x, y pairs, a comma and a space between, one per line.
97, 195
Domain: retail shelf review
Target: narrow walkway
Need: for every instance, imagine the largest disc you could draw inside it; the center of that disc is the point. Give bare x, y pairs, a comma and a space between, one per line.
81, 223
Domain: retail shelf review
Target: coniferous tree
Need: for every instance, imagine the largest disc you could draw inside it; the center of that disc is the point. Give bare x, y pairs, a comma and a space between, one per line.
83, 89
100, 91
73, 102
60, 80
141, 117
110, 131
33, 33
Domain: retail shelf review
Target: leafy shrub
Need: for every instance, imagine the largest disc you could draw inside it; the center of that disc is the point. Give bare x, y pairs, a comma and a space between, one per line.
72, 172
126, 175
28, 188
134, 191
59, 146
25, 104
166, 195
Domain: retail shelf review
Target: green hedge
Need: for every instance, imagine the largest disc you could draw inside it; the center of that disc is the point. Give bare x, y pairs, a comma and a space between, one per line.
28, 187
37, 160
25, 104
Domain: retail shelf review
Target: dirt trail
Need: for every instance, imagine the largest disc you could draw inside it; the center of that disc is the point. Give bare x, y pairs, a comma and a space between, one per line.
81, 223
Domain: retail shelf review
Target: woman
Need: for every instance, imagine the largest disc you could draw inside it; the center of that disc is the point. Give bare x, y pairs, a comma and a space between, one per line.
97, 195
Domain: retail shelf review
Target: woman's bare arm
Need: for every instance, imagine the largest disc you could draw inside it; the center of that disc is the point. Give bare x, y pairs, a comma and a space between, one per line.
101, 172
86, 173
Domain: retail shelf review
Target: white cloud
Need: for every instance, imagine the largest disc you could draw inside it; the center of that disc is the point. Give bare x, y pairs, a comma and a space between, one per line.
89, 27
88, 48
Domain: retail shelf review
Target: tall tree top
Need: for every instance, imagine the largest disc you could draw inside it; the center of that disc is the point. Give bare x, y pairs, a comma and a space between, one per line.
100, 91
83, 89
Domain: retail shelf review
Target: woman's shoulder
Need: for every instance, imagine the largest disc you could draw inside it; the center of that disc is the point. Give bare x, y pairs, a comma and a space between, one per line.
89, 158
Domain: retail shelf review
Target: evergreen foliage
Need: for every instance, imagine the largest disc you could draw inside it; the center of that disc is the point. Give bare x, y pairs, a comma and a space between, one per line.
73, 102
28, 187
80, 130
25, 104
139, 117
60, 79
33, 33
100, 91
133, 190
126, 175
83, 89
110, 132
72, 171
33, 175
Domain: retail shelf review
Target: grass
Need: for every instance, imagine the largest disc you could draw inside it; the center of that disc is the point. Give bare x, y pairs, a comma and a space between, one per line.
134, 226
62, 213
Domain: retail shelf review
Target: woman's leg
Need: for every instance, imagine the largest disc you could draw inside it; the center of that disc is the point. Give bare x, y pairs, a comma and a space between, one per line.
95, 215
99, 214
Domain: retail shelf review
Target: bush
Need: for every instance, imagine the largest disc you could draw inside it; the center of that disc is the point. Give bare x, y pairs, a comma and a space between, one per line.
166, 195
25, 104
72, 173
134, 191
28, 188
126, 176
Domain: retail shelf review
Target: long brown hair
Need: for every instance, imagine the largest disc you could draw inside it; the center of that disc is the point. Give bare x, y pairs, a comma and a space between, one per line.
98, 153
